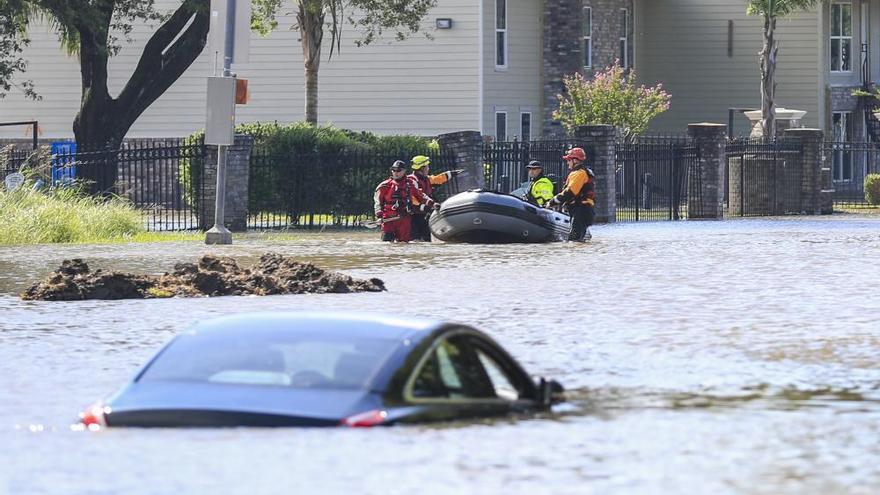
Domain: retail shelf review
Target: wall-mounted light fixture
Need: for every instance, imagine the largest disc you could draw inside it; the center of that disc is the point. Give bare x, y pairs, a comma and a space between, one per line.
444, 23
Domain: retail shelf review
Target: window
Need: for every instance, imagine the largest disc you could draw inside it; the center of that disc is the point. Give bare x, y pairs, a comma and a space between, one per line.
500, 382
841, 37
588, 37
500, 126
624, 38
500, 34
842, 158
452, 372
298, 359
525, 126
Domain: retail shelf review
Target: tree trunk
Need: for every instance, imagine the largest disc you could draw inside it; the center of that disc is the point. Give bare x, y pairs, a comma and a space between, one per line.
310, 18
768, 78
103, 121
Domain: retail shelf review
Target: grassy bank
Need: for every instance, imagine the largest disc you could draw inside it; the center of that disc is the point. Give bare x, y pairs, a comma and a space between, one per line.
65, 215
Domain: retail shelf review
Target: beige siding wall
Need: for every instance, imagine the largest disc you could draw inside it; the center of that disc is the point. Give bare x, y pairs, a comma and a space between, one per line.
518, 87
684, 43
417, 86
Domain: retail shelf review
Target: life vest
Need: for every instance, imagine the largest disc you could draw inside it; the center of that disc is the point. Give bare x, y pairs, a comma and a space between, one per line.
540, 191
580, 179
396, 196
427, 182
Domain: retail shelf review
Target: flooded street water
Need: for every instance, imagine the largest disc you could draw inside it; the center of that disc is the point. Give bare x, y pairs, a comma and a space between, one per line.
701, 357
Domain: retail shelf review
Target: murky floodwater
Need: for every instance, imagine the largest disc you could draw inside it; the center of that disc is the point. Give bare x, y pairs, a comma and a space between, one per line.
739, 356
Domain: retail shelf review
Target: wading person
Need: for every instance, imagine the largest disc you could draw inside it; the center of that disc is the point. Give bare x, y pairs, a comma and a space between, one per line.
395, 201
421, 166
578, 196
540, 190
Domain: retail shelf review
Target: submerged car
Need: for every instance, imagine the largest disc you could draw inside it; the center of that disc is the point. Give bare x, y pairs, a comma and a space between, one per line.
304, 369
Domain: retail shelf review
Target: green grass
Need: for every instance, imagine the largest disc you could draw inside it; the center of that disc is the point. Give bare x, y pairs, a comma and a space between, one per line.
65, 216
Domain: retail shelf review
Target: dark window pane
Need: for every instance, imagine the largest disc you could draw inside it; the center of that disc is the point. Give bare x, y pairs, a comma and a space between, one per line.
588, 53
588, 22
846, 19
623, 58
835, 19
500, 53
835, 55
845, 55
501, 127
526, 126
501, 14
623, 22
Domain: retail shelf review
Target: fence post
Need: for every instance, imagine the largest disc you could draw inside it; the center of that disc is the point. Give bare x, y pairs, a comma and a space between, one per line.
706, 178
600, 143
466, 150
237, 182
813, 188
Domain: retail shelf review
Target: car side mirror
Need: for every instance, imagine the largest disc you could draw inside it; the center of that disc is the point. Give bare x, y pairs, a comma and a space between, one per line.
550, 392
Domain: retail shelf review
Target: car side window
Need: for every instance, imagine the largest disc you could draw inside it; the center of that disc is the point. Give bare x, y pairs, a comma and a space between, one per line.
501, 383
452, 371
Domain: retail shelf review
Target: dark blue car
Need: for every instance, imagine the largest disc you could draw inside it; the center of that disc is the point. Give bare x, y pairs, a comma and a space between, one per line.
303, 369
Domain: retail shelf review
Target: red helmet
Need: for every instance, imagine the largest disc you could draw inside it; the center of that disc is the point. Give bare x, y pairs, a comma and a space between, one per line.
576, 153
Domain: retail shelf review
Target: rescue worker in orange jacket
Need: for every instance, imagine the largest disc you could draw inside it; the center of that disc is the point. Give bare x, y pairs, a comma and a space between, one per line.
395, 200
421, 166
578, 196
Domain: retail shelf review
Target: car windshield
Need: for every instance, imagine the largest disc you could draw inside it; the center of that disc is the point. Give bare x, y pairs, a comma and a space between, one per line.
285, 359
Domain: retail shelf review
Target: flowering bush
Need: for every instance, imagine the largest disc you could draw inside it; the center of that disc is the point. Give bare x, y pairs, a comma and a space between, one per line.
612, 97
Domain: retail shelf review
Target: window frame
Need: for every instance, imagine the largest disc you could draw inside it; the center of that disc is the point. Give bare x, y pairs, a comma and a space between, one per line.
522, 134
477, 343
840, 37
504, 31
843, 159
497, 113
624, 38
588, 37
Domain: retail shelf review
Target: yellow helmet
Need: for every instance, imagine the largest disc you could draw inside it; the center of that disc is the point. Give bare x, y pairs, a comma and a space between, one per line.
420, 161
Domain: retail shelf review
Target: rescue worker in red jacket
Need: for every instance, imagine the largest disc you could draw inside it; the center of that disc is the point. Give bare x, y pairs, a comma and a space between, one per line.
421, 166
578, 196
396, 199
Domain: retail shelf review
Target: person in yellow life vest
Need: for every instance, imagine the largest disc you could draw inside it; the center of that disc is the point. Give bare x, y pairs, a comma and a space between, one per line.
421, 166
578, 196
540, 187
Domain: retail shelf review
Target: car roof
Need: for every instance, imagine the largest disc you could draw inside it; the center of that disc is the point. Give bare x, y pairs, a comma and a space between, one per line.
337, 324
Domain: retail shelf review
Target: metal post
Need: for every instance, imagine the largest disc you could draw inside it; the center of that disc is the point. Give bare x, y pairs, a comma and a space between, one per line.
35, 127
219, 234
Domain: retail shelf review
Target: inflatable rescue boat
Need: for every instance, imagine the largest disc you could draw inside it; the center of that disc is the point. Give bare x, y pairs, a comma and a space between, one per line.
486, 217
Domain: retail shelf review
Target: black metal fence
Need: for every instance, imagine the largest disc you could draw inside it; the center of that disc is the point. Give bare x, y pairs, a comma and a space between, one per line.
324, 189
505, 162
850, 164
151, 175
651, 177
763, 177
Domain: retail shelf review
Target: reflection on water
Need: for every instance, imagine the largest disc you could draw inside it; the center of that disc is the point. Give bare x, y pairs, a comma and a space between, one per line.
733, 356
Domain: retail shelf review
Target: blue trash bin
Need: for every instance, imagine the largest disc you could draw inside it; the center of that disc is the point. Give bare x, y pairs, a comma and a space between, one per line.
63, 162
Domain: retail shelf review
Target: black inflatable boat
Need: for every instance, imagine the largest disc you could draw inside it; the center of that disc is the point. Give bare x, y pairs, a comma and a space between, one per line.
486, 217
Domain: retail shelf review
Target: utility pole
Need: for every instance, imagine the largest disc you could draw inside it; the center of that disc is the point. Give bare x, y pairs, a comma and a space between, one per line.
219, 234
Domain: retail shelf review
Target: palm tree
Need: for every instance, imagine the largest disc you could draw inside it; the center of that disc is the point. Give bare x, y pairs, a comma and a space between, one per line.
771, 10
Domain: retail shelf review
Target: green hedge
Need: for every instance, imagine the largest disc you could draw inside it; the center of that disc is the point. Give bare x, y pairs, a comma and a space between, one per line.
872, 189
286, 143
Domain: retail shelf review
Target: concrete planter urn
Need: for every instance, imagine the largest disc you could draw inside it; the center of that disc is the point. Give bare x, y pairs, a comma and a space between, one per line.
786, 118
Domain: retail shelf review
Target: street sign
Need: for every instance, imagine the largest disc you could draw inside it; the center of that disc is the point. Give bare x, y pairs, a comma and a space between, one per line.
220, 124
217, 33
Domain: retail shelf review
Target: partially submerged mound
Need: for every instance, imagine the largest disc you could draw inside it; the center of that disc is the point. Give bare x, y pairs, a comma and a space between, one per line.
211, 276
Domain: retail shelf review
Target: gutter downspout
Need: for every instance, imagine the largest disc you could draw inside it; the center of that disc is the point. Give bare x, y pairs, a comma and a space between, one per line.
480, 48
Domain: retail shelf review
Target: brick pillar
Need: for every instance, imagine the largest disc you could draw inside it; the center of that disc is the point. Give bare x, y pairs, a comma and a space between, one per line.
237, 178
600, 143
562, 54
706, 177
815, 180
466, 151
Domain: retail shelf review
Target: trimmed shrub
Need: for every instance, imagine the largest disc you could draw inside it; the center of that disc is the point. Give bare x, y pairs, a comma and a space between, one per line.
289, 146
872, 189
